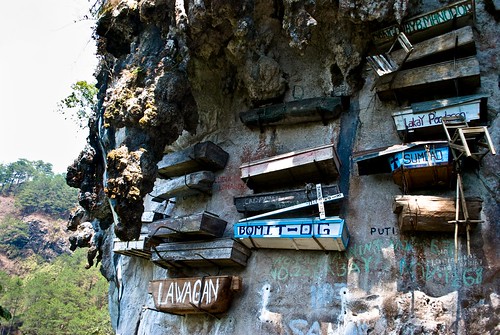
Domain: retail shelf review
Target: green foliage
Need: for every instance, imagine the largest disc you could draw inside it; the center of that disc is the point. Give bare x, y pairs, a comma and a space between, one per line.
60, 298
15, 235
79, 105
14, 175
48, 194
4, 313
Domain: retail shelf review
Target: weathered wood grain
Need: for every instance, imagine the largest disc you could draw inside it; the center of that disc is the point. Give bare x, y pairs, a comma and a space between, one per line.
139, 248
427, 25
314, 165
270, 201
196, 226
456, 40
202, 156
187, 185
306, 110
430, 78
219, 252
209, 294
430, 213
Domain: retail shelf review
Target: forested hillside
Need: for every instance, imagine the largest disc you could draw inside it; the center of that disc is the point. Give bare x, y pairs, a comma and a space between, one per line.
44, 288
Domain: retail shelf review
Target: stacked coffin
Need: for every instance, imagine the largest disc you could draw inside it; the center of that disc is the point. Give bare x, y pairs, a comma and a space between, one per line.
442, 59
442, 62
272, 220
189, 172
193, 240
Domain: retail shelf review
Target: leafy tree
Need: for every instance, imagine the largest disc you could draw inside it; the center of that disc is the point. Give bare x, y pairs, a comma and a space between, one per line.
15, 235
48, 194
64, 298
79, 105
13, 175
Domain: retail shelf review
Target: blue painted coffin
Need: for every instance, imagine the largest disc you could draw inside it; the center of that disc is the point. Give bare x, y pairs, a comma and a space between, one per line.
420, 156
294, 233
422, 166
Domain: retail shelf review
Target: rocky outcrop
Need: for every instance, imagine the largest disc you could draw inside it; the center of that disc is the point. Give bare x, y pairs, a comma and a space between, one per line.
175, 73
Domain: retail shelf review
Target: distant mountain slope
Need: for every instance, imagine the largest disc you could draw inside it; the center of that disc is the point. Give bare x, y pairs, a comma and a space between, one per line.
25, 236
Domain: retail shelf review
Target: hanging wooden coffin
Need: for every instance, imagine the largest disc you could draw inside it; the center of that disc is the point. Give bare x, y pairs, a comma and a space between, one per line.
187, 185
138, 248
423, 119
295, 233
377, 160
198, 226
445, 78
315, 165
424, 26
306, 110
209, 295
266, 202
220, 252
429, 213
202, 156
455, 44
422, 166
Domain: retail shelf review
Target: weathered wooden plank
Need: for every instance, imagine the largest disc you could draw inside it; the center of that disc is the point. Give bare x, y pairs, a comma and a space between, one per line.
196, 226
209, 294
424, 26
139, 248
314, 165
429, 213
202, 156
187, 185
440, 76
220, 252
306, 110
460, 41
424, 119
265, 202
294, 233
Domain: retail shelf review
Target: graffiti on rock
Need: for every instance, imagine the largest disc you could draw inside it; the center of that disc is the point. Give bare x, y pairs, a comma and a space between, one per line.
436, 265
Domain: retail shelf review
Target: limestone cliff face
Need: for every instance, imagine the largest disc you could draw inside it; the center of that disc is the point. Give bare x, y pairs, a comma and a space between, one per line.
174, 73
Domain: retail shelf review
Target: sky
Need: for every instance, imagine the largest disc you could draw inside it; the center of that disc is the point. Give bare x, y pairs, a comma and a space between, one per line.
45, 47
